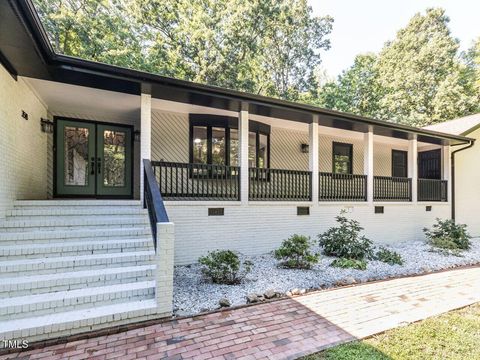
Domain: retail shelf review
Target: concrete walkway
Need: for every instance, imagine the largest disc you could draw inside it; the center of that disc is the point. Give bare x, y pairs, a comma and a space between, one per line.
283, 329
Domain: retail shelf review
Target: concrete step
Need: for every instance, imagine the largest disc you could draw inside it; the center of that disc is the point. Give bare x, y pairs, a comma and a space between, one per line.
24, 267
69, 300
67, 248
65, 323
47, 211
72, 202
54, 223
35, 236
61, 281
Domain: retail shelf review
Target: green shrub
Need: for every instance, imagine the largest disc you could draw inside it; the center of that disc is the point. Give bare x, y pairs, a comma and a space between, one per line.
224, 267
295, 253
344, 240
388, 256
349, 264
445, 234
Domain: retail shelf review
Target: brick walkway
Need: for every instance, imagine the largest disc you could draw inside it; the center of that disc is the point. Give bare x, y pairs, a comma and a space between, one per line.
283, 329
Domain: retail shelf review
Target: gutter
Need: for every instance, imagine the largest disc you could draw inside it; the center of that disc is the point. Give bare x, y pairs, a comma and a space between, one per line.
471, 143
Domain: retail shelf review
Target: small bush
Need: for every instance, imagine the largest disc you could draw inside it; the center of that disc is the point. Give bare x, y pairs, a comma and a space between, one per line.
349, 264
224, 267
388, 256
344, 240
445, 234
295, 253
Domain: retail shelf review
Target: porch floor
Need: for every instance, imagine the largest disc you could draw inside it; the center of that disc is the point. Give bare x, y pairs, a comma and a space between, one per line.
284, 329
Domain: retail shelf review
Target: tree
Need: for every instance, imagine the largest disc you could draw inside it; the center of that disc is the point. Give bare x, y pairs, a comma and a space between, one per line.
417, 79
356, 90
421, 74
269, 47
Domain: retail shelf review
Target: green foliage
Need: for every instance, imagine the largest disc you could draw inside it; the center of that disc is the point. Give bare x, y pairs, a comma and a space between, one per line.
418, 78
388, 256
224, 267
269, 47
344, 241
349, 264
445, 234
295, 253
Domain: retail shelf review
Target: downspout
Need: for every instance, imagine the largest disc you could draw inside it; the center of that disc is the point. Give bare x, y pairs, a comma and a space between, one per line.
471, 143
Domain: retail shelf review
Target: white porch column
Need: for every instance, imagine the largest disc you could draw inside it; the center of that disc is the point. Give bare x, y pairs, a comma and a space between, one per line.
368, 162
413, 166
313, 157
145, 134
446, 168
243, 153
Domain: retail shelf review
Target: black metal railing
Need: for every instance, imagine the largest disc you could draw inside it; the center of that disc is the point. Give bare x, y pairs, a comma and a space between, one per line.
183, 181
279, 185
342, 187
432, 190
386, 188
153, 199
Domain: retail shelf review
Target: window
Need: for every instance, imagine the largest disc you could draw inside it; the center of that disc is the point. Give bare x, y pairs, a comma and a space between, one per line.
429, 164
399, 163
215, 140
342, 158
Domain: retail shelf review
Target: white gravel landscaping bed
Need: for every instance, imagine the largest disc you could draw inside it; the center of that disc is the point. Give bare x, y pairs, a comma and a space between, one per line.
194, 294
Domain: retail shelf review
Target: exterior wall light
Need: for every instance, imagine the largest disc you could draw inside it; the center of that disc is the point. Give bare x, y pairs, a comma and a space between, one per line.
136, 135
304, 148
47, 126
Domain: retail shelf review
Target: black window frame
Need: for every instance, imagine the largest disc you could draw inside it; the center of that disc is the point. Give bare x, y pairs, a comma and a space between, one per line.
350, 155
228, 123
405, 154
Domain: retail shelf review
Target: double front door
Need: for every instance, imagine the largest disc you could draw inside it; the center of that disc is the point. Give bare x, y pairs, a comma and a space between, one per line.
93, 159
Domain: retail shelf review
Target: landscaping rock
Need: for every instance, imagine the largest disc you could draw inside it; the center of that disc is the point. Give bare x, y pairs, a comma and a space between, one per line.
224, 302
271, 294
295, 291
193, 293
255, 298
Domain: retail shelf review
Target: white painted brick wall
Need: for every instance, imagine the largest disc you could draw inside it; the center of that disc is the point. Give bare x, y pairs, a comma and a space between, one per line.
257, 229
23, 146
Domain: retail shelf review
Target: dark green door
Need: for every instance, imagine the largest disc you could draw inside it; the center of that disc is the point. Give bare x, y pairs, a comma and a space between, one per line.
93, 159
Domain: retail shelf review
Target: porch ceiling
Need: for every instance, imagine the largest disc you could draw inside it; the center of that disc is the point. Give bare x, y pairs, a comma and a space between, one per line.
67, 98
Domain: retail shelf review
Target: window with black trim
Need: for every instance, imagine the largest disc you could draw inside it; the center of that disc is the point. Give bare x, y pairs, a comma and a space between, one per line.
215, 140
342, 158
399, 163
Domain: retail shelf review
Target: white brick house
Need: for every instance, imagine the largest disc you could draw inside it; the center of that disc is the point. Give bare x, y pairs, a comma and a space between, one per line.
229, 170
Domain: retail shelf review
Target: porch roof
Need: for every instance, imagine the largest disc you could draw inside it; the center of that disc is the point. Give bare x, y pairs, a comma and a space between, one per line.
26, 51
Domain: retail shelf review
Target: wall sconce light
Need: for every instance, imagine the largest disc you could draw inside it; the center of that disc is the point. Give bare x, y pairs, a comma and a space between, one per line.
47, 126
304, 148
136, 135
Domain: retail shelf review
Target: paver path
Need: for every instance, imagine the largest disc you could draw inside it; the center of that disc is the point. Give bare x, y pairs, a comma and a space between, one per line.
283, 329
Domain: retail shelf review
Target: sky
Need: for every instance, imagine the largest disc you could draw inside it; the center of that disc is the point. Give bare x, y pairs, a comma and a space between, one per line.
363, 26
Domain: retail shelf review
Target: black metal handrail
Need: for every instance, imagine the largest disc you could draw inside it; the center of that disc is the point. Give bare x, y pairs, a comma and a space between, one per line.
153, 200
386, 188
185, 181
342, 187
279, 185
432, 190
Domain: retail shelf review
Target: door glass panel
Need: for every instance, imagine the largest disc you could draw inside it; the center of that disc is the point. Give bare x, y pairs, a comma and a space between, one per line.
76, 156
234, 147
114, 152
263, 151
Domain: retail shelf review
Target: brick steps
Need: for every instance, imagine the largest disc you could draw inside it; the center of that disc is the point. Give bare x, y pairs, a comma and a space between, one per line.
68, 266
84, 247
78, 320
27, 237
62, 301
38, 284
78, 262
